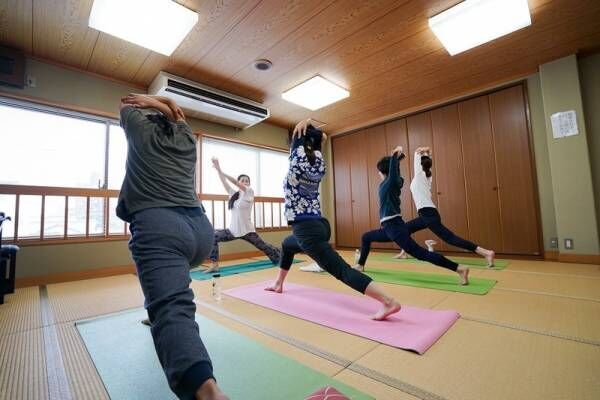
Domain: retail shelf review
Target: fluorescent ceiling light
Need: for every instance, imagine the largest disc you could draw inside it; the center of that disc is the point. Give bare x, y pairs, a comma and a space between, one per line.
158, 25
474, 22
315, 93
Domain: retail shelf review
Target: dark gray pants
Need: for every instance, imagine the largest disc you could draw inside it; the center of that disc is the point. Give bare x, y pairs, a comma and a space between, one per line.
164, 243
225, 235
312, 237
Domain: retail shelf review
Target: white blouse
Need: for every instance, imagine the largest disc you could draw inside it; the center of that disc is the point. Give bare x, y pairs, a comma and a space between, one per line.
420, 186
241, 213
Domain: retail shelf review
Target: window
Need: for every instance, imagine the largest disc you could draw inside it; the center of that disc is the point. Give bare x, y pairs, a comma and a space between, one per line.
60, 149
266, 168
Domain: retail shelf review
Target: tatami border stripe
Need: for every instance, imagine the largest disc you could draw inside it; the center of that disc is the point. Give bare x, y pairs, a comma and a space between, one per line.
530, 330
547, 294
58, 384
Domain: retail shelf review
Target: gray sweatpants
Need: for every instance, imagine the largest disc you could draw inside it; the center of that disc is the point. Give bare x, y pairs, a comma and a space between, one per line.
164, 243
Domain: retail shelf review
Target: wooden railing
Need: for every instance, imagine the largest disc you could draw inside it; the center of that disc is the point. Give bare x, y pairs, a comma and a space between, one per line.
49, 215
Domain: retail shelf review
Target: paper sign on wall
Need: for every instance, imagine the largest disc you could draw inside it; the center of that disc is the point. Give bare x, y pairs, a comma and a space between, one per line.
564, 124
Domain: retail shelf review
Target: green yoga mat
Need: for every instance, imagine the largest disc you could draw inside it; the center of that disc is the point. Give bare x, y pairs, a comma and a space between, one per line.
236, 269
471, 262
431, 281
123, 353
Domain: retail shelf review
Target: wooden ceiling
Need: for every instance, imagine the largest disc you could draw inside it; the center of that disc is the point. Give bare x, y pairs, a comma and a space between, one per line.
380, 50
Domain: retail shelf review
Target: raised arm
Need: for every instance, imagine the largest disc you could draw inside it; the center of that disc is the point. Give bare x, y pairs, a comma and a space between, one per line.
417, 159
165, 105
226, 179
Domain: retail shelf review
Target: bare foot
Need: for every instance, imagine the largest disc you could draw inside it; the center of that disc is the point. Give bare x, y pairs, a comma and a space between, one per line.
402, 255
210, 391
389, 308
430, 243
463, 273
358, 267
211, 269
489, 257
276, 287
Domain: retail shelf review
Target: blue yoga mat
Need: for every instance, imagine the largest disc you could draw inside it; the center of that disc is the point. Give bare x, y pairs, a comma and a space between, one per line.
123, 353
236, 269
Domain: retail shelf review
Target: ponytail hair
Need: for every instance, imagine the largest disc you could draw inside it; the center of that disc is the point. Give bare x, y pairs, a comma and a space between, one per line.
163, 123
234, 197
426, 163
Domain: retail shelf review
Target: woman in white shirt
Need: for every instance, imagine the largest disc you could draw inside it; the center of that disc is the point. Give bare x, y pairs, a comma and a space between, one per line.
429, 217
240, 204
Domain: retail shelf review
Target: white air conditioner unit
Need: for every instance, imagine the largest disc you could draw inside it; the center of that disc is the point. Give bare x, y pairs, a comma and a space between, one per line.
207, 103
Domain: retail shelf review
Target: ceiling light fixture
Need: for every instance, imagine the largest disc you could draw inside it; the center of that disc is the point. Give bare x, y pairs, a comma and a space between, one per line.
474, 22
315, 93
158, 25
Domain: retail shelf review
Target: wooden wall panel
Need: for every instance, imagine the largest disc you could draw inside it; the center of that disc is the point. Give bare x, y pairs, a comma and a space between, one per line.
342, 153
516, 188
419, 135
360, 188
448, 170
480, 173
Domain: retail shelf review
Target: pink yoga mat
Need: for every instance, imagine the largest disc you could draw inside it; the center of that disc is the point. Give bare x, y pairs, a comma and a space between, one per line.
412, 328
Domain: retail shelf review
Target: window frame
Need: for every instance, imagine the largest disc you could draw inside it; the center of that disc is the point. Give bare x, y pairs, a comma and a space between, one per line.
37, 105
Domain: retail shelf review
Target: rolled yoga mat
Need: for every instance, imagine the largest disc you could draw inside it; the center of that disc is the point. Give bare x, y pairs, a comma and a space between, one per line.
470, 261
236, 269
430, 281
123, 353
412, 328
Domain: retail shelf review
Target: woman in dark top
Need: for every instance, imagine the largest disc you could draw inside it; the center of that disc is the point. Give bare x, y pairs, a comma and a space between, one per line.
169, 232
311, 232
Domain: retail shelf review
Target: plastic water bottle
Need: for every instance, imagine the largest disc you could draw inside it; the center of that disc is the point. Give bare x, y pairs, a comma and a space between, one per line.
216, 287
356, 256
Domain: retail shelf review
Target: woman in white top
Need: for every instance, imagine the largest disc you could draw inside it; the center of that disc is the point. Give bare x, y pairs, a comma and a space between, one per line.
240, 204
429, 217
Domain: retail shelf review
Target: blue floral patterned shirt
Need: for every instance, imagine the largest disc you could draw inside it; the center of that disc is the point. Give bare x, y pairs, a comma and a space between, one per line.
301, 185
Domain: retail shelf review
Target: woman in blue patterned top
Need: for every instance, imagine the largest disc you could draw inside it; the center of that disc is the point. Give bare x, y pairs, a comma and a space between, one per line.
311, 232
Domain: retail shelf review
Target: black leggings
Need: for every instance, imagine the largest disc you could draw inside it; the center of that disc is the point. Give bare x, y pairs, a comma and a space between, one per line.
429, 217
395, 230
312, 237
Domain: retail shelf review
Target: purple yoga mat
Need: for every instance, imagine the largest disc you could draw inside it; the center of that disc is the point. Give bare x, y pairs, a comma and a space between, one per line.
412, 328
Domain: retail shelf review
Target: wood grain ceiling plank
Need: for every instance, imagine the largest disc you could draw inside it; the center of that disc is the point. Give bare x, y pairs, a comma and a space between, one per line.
16, 24
61, 32
215, 19
333, 24
396, 26
117, 58
431, 68
464, 87
267, 24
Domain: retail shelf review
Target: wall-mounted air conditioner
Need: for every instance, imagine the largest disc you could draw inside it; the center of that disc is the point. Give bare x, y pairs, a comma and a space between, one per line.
210, 104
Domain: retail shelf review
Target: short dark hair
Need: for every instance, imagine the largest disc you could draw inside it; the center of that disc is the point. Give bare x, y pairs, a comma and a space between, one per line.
383, 165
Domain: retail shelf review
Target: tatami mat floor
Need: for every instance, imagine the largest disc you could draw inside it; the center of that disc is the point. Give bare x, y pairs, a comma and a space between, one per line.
536, 335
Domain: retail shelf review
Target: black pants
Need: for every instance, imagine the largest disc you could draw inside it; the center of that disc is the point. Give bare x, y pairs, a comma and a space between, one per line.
395, 230
312, 237
429, 217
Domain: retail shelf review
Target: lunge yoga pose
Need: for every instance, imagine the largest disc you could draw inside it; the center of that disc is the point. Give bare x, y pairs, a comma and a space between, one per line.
393, 228
429, 217
311, 231
240, 204
169, 232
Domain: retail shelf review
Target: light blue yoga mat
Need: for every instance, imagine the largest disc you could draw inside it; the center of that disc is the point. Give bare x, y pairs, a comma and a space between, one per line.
236, 269
123, 353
